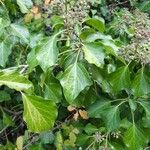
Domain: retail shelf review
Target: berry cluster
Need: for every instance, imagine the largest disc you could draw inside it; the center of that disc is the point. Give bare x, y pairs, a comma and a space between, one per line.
73, 12
139, 47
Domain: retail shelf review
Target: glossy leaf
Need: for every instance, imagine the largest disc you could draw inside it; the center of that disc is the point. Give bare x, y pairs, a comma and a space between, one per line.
5, 50
48, 51
39, 113
24, 5
111, 118
134, 138
94, 53
15, 81
120, 79
4, 17
53, 89
90, 36
31, 60
146, 105
74, 80
97, 23
20, 32
96, 110
141, 84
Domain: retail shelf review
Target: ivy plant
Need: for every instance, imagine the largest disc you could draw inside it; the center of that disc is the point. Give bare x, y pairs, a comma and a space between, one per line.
70, 80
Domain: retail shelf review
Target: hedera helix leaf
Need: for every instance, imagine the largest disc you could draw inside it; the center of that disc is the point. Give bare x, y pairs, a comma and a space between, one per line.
110, 114
74, 80
5, 50
20, 32
31, 60
39, 114
134, 138
141, 84
111, 117
4, 17
15, 81
94, 53
48, 52
53, 91
120, 79
89, 35
96, 110
146, 105
24, 5
97, 23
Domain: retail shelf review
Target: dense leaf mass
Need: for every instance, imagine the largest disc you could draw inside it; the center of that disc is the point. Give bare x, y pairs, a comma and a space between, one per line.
74, 74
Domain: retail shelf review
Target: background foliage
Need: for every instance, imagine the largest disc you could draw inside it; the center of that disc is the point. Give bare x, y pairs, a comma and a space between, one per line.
74, 75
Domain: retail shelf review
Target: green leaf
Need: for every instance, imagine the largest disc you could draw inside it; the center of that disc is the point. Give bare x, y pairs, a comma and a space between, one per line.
141, 84
31, 60
144, 6
146, 105
132, 104
59, 140
4, 17
97, 23
96, 110
24, 5
15, 81
100, 76
90, 36
48, 51
20, 32
116, 146
53, 91
47, 137
94, 53
7, 120
4, 96
120, 79
5, 50
39, 114
90, 129
134, 138
51, 87
74, 80
111, 117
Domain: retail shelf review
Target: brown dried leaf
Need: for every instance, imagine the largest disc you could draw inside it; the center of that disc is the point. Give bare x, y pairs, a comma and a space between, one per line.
76, 116
47, 2
35, 9
83, 114
71, 108
37, 16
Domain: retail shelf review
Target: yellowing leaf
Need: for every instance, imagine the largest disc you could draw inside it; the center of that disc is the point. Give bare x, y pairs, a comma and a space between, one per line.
83, 114
28, 17
19, 143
